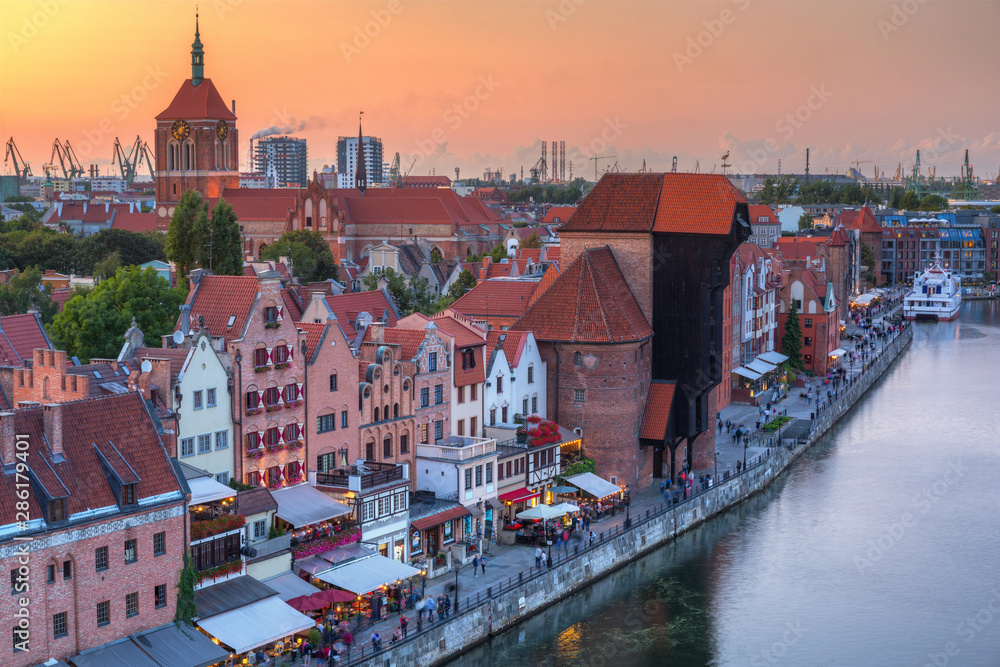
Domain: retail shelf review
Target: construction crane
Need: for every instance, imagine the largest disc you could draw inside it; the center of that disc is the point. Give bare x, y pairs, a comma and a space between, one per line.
697, 167
21, 168
60, 152
410, 169
857, 171
129, 163
970, 189
915, 179
538, 171
395, 178
76, 169
600, 157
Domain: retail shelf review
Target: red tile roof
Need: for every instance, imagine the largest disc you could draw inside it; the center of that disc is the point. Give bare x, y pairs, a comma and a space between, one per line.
562, 212
347, 307
459, 327
749, 254
511, 342
196, 102
439, 518
426, 181
409, 341
549, 277
839, 237
119, 419
314, 334
220, 297
502, 298
24, 333
758, 211
135, 222
177, 356
865, 220
668, 203
552, 253
401, 210
267, 208
657, 412
590, 302
534, 254
292, 305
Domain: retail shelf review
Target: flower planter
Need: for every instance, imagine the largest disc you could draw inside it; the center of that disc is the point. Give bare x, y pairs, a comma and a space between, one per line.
261, 369
283, 365
326, 544
218, 571
293, 404
254, 411
220, 524
273, 408
272, 325
255, 454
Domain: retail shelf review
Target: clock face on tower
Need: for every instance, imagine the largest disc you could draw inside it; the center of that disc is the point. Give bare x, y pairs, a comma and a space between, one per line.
180, 130
222, 130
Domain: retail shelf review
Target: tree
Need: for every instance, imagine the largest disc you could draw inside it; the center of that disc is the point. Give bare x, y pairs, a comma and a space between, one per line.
463, 284
396, 286
531, 242
220, 246
93, 325
580, 467
132, 248
909, 201
17, 295
108, 266
182, 236
187, 606
805, 221
791, 341
868, 260
312, 260
933, 202
995, 209
499, 252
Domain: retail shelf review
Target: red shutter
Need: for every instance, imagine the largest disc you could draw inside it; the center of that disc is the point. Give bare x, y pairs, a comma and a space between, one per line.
291, 349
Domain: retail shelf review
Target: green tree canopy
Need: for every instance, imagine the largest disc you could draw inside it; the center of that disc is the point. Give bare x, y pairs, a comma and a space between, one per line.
533, 241
16, 295
132, 248
45, 248
312, 260
933, 202
805, 221
220, 246
909, 201
183, 234
499, 252
93, 325
791, 341
463, 284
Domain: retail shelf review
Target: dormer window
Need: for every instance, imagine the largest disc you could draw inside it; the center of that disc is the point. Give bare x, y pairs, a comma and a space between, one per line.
57, 510
468, 359
128, 495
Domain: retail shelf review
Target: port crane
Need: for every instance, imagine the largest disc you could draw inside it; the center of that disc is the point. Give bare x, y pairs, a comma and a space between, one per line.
540, 170
395, 178
64, 153
129, 163
21, 168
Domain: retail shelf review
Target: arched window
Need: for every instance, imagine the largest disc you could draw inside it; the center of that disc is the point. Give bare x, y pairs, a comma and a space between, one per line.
376, 414
322, 214
225, 154
309, 213
218, 155
577, 359
173, 156
188, 152
395, 411
45, 388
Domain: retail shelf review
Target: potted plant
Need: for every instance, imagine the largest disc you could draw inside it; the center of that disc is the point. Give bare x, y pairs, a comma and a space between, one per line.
440, 559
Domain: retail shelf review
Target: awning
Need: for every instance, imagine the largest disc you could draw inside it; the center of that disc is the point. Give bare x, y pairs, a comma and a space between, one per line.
122, 653
758, 365
568, 508
262, 622
474, 511
541, 512
838, 352
302, 505
332, 558
290, 586
440, 517
495, 503
773, 357
367, 574
180, 646
594, 485
518, 496
747, 373
206, 489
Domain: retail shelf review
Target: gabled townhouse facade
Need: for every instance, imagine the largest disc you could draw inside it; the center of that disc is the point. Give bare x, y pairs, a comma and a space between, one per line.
819, 319
515, 378
468, 372
426, 358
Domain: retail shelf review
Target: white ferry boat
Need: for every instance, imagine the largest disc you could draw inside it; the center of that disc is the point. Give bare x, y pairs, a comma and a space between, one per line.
936, 295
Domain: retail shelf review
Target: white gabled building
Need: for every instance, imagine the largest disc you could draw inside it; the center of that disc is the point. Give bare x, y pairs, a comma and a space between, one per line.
468, 372
515, 377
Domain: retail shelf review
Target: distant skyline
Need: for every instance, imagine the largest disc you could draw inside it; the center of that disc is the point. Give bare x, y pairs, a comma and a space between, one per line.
479, 85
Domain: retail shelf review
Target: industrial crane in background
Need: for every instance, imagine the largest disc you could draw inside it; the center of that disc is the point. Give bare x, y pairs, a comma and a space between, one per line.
395, 178
64, 153
539, 171
129, 163
600, 157
21, 168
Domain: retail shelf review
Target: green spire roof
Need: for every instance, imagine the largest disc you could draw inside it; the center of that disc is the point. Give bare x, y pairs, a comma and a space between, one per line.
197, 57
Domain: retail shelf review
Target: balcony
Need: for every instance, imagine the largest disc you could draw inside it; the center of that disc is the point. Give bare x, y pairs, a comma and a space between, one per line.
272, 546
457, 448
374, 474
201, 529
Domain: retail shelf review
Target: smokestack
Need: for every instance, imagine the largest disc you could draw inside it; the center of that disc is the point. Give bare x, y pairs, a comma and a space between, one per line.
234, 107
52, 420
7, 437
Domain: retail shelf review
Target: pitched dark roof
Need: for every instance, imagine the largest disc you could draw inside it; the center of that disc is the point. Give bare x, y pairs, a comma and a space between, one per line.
590, 302
657, 412
255, 501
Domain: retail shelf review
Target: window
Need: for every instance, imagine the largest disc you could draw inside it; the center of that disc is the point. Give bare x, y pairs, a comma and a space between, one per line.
260, 357
468, 359
425, 397
128, 495
205, 443
326, 423
438, 394
579, 395
499, 471
100, 559
473, 426
197, 400
807, 323
159, 543
534, 405
270, 314
370, 451
131, 551
432, 362
221, 440
449, 532
343, 419
187, 446
493, 416
461, 394
524, 406
461, 427
222, 478
424, 434
272, 436
472, 392
50, 574
404, 444
281, 354
160, 596
503, 414
210, 396
468, 479
438, 430
103, 613
131, 605
531, 373
259, 529
387, 448
326, 462
57, 510
271, 396
807, 341
489, 473
252, 400
479, 475
67, 569
59, 625
807, 358
499, 384
577, 359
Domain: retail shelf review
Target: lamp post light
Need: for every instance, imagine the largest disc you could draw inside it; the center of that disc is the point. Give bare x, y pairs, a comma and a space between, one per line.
628, 506
456, 588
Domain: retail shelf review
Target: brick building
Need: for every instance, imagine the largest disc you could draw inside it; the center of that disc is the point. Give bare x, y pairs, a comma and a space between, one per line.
870, 233
106, 522
819, 317
20, 335
496, 304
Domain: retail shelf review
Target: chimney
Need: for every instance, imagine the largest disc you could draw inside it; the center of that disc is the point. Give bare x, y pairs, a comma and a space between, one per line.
378, 332
7, 437
139, 381
234, 107
185, 318
52, 419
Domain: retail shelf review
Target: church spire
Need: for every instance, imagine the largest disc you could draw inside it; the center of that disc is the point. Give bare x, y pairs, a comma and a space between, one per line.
360, 172
197, 56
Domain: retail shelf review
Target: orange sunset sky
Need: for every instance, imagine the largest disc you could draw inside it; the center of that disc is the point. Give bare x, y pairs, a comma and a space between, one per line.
478, 84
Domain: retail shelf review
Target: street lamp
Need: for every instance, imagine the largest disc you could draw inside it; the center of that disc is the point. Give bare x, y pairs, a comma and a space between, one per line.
628, 506
456, 588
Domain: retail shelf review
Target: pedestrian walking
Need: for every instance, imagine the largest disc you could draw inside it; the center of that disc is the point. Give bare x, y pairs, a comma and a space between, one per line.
475, 567
538, 556
404, 623
545, 559
440, 607
307, 652
592, 538
482, 564
376, 641
447, 606
431, 604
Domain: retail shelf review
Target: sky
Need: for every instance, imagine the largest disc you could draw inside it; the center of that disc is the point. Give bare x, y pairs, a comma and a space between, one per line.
479, 84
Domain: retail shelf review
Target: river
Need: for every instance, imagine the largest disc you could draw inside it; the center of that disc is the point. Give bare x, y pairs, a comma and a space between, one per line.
880, 546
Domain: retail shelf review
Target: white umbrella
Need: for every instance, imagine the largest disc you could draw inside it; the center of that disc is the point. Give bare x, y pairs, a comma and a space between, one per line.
567, 507
541, 512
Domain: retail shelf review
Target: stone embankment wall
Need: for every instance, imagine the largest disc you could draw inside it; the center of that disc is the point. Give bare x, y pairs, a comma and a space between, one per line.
512, 602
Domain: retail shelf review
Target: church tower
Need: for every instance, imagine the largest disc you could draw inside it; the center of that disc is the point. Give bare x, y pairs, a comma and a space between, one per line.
196, 144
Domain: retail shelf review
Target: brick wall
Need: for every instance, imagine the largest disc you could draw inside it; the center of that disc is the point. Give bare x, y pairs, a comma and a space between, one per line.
633, 252
47, 382
79, 594
335, 357
209, 184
